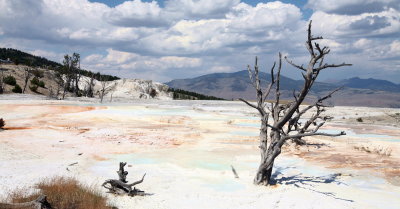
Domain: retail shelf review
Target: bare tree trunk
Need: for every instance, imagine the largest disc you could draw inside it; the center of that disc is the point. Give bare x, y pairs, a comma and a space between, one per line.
89, 92
27, 75
65, 90
286, 116
1, 81
77, 74
264, 172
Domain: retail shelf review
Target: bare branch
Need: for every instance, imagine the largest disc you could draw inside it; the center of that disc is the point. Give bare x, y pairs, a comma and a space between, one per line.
332, 66
310, 39
295, 65
311, 134
278, 79
248, 103
251, 76
318, 102
138, 182
268, 90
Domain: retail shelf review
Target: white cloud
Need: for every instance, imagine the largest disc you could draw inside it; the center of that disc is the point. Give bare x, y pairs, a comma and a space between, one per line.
48, 54
364, 25
136, 14
132, 63
353, 7
220, 69
183, 38
264, 16
199, 8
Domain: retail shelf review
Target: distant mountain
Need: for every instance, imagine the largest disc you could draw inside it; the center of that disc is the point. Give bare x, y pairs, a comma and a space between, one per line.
357, 92
370, 83
237, 84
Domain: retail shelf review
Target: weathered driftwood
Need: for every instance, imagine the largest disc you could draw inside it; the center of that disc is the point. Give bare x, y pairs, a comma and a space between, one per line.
39, 203
121, 186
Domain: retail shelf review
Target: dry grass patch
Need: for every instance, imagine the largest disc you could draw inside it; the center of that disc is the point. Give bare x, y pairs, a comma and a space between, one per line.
64, 193
380, 150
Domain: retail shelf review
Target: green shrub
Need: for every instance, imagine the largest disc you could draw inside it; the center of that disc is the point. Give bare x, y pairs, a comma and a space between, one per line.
17, 89
10, 80
41, 84
35, 81
33, 88
359, 120
38, 73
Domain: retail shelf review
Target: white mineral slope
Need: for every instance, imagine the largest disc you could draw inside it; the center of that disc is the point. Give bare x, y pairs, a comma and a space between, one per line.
186, 149
123, 89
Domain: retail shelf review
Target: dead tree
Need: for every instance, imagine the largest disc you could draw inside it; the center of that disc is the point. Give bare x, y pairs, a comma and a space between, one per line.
71, 74
60, 83
1, 81
285, 124
90, 86
39, 203
105, 87
67, 74
27, 75
121, 185
76, 61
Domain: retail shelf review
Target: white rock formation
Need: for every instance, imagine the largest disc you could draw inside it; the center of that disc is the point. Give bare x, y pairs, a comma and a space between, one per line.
123, 89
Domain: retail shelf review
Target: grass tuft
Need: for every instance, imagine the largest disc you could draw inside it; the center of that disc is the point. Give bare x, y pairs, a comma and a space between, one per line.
64, 193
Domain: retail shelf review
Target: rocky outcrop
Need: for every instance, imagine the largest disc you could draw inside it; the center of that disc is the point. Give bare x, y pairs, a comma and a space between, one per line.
135, 89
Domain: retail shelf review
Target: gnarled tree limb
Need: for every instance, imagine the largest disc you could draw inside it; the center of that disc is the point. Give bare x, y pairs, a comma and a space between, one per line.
121, 186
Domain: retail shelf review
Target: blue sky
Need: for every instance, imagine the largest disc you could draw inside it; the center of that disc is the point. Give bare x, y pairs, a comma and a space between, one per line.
164, 40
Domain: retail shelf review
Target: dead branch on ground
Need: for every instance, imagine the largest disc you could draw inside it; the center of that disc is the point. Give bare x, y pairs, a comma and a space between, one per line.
121, 186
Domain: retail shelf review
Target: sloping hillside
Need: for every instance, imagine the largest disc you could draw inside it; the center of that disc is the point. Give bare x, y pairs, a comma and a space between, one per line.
121, 89
117, 88
356, 92
370, 83
237, 85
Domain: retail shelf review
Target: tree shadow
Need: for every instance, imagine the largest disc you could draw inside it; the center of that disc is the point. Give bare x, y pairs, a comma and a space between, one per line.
309, 182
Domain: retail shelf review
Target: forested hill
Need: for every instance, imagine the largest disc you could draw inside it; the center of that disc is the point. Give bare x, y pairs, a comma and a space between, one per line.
23, 58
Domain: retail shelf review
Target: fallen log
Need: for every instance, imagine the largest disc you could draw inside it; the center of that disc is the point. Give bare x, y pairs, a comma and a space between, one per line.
121, 186
39, 203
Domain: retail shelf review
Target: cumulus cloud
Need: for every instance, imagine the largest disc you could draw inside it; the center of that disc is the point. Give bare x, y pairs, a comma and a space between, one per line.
184, 38
136, 14
129, 64
384, 23
353, 7
244, 26
199, 8
134, 25
48, 54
